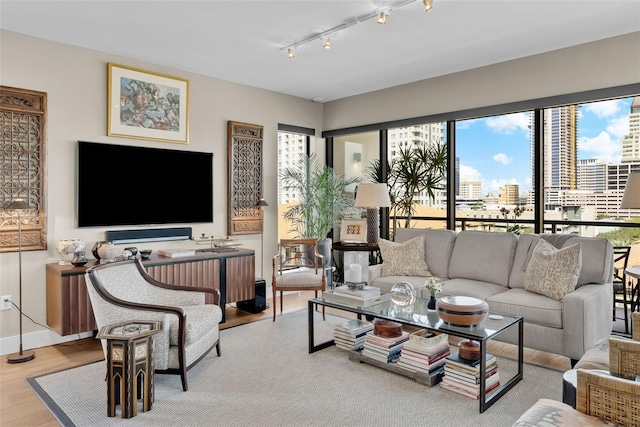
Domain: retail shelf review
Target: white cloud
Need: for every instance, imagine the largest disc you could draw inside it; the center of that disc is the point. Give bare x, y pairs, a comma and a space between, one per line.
604, 109
509, 123
618, 127
601, 147
502, 158
468, 173
466, 124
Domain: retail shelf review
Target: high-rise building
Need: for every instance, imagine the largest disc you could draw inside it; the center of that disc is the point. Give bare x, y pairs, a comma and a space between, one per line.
560, 139
509, 194
631, 141
592, 175
470, 190
291, 147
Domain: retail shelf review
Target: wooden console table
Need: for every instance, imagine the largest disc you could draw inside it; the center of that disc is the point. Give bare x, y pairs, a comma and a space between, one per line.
232, 273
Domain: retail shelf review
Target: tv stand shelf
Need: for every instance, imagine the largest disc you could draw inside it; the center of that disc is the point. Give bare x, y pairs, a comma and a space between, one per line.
232, 273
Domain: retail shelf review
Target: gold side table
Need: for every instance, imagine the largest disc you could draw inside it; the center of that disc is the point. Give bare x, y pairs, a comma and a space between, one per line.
129, 365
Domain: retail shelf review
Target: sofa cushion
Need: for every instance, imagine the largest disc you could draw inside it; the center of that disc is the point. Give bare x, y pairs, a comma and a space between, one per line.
553, 272
597, 256
404, 259
534, 308
469, 288
483, 256
438, 246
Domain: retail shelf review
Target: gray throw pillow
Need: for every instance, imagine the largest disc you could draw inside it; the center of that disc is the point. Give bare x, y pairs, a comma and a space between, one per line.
553, 272
404, 259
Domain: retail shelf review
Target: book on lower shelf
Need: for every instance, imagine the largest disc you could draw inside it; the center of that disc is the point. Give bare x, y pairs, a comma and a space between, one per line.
462, 376
350, 335
386, 350
176, 253
425, 352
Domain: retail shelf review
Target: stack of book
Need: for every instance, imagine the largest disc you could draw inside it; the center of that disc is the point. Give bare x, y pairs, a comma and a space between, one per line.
463, 376
365, 297
385, 350
350, 335
425, 352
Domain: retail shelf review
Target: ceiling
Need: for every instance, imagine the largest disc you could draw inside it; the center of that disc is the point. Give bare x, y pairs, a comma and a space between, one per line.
242, 41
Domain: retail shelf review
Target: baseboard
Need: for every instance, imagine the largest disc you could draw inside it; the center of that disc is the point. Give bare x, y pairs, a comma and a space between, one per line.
37, 339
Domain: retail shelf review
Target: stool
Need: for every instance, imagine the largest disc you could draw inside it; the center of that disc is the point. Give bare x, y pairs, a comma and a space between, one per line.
569, 384
129, 365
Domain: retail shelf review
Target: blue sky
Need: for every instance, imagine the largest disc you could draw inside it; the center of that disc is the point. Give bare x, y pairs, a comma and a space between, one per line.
495, 150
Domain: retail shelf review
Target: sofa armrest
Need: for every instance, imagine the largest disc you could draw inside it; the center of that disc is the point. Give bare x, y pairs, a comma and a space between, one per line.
586, 318
374, 272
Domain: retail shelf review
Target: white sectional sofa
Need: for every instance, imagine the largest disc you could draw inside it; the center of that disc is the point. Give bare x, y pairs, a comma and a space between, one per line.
492, 267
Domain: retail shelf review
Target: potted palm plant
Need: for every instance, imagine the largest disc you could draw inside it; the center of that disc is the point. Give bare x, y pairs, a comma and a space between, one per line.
322, 200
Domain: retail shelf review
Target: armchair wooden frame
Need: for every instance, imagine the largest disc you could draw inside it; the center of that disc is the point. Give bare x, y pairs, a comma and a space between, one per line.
95, 280
297, 267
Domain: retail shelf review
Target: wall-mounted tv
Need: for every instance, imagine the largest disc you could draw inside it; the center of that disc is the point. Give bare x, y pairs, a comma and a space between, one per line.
126, 185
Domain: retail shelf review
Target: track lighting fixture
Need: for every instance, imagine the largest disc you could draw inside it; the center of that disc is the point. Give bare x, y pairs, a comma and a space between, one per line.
378, 15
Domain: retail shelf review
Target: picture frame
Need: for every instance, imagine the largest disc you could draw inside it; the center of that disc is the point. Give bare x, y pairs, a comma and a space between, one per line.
147, 105
353, 231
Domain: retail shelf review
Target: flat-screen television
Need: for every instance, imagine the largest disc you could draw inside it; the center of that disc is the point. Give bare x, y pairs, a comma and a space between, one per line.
126, 185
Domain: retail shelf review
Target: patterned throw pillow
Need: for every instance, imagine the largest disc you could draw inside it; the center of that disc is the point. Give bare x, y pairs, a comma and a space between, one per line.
404, 259
553, 272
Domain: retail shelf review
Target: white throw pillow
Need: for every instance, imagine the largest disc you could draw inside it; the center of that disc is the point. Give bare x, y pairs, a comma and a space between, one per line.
404, 259
553, 272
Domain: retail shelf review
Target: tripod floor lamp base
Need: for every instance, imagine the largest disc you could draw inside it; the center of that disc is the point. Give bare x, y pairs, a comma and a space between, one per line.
23, 356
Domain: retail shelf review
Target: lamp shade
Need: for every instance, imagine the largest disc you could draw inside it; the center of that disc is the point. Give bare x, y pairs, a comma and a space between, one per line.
373, 196
631, 198
19, 204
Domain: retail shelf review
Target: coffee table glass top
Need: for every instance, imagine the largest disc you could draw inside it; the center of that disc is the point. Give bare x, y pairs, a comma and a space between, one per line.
418, 315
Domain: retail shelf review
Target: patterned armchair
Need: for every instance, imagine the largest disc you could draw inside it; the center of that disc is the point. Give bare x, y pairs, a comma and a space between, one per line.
297, 267
123, 290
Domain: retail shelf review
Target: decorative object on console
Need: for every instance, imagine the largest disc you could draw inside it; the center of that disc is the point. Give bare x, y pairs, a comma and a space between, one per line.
19, 205
147, 105
462, 311
95, 248
67, 248
79, 259
23, 116
145, 253
108, 252
372, 196
133, 250
244, 165
176, 253
403, 294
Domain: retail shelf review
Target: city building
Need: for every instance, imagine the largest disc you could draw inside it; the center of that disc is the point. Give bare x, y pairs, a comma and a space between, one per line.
631, 141
509, 194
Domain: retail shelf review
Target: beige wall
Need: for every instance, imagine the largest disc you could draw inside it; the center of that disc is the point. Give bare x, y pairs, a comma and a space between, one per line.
75, 81
606, 63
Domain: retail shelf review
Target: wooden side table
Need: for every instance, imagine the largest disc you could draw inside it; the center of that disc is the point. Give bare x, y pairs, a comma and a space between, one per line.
129, 365
634, 273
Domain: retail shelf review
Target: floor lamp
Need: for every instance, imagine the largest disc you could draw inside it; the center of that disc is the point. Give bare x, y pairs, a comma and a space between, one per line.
372, 197
22, 356
261, 204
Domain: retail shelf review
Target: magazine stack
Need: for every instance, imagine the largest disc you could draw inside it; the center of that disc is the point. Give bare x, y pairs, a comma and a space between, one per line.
463, 376
383, 349
350, 335
425, 352
363, 297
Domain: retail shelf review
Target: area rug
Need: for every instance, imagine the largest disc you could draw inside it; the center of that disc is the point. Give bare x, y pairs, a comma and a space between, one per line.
266, 377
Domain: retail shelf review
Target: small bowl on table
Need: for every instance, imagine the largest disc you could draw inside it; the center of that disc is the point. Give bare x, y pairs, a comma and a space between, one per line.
145, 253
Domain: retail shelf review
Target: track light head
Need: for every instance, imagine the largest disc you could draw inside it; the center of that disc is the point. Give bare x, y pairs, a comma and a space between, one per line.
382, 17
428, 5
291, 52
326, 43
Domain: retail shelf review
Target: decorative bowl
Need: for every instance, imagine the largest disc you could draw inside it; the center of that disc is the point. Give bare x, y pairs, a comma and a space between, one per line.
462, 311
145, 253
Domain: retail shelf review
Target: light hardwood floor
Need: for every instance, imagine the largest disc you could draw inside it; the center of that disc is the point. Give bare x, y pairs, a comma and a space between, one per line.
19, 406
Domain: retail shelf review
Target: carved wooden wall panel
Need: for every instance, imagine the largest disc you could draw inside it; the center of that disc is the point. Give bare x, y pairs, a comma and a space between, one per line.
22, 161
244, 162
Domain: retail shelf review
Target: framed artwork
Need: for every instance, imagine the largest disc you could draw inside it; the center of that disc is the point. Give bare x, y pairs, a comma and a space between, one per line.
353, 231
146, 105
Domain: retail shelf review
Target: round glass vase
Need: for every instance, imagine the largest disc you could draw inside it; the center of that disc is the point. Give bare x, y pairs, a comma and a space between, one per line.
403, 294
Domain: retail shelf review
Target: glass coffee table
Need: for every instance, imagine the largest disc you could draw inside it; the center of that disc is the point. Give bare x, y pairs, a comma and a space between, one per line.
420, 317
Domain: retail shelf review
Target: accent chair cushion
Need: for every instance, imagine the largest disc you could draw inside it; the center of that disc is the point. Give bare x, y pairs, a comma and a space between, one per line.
553, 272
404, 259
200, 320
548, 413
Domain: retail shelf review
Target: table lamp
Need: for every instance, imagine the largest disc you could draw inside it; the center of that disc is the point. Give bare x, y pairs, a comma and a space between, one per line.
19, 205
372, 197
631, 197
